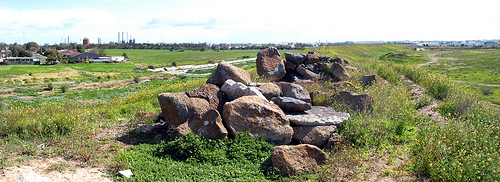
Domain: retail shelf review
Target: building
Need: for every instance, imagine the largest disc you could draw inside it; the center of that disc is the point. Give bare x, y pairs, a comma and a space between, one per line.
22, 60
86, 41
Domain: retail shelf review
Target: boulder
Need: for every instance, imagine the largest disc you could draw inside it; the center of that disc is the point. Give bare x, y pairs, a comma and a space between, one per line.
335, 140
319, 98
181, 130
350, 68
290, 67
269, 64
337, 72
342, 85
227, 71
291, 104
297, 58
322, 67
291, 160
318, 116
314, 135
256, 84
311, 67
177, 108
368, 80
259, 117
210, 93
307, 74
355, 102
208, 124
312, 58
294, 91
270, 90
234, 90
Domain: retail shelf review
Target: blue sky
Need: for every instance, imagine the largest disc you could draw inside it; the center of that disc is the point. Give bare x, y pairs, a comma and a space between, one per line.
247, 21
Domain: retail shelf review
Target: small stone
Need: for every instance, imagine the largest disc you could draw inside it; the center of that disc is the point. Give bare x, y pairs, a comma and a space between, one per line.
126, 173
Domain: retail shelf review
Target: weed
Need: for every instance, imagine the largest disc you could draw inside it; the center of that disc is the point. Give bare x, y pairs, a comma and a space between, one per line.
64, 88
50, 86
137, 79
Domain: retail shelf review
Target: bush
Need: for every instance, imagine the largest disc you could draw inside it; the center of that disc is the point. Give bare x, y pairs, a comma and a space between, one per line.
50, 86
487, 91
174, 63
151, 66
64, 88
137, 79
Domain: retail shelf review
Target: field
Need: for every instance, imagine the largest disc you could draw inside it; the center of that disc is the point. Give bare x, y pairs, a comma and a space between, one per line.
89, 124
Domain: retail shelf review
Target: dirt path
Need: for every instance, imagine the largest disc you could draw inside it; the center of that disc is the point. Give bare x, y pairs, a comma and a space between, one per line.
434, 59
476, 83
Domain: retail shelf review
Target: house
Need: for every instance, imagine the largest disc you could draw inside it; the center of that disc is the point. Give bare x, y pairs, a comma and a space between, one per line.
86, 56
68, 53
22, 60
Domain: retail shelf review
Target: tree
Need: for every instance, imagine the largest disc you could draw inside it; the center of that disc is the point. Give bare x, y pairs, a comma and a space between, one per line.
53, 55
102, 50
31, 46
24, 53
80, 48
18, 51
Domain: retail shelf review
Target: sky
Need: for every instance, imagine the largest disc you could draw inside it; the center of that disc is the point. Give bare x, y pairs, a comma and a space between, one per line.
247, 21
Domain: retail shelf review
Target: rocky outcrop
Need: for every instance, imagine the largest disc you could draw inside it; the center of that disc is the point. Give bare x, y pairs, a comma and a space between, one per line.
355, 102
208, 124
211, 93
270, 90
318, 116
314, 135
258, 116
226, 71
368, 80
269, 64
234, 90
294, 91
337, 72
177, 108
291, 104
291, 160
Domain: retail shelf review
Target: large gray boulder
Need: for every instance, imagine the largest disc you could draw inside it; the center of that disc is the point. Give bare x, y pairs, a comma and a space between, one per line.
294, 91
293, 159
355, 102
259, 117
291, 104
318, 116
177, 108
226, 71
297, 58
234, 90
314, 135
269, 64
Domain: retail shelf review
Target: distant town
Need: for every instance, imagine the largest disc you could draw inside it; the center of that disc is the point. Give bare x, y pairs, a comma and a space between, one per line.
85, 52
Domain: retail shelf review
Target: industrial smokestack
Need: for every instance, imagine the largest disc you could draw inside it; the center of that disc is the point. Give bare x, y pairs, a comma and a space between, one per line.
123, 37
118, 37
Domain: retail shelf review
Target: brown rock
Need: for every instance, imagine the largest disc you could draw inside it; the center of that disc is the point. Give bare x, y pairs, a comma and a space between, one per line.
338, 72
314, 135
307, 74
178, 107
304, 83
211, 93
291, 160
270, 90
258, 116
335, 140
208, 124
355, 102
269, 64
290, 67
227, 71
312, 58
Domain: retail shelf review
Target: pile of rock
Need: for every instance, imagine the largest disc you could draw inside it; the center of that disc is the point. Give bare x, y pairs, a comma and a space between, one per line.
279, 111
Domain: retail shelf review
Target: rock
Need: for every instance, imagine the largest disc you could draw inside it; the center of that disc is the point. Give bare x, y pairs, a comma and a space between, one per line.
290, 67
297, 58
178, 107
346, 62
208, 124
181, 130
126, 173
293, 77
314, 135
355, 102
304, 83
318, 116
291, 104
319, 98
210, 93
336, 60
234, 90
350, 68
337, 72
291, 160
322, 67
32, 177
227, 71
269, 64
270, 90
342, 85
256, 84
307, 74
368, 80
335, 140
312, 58
258, 116
311, 67
294, 91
